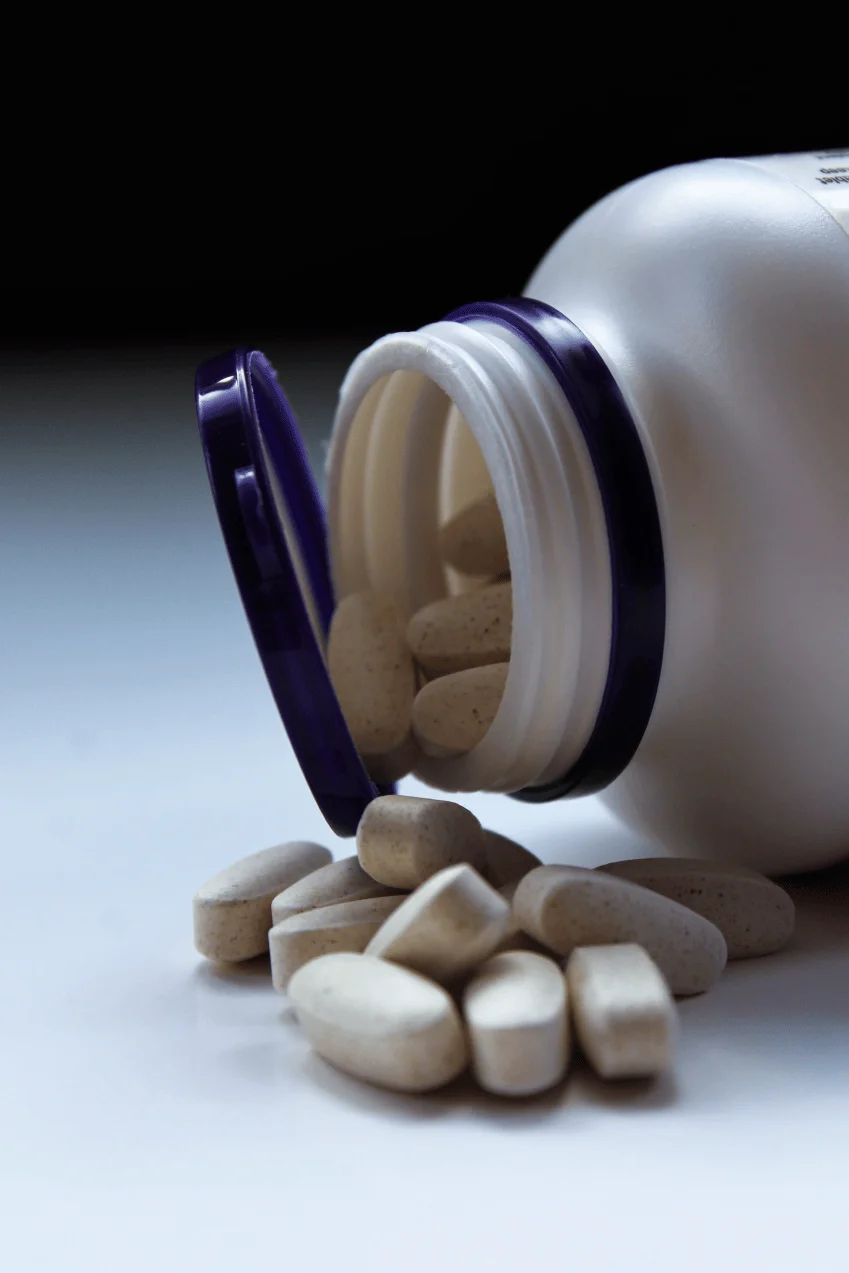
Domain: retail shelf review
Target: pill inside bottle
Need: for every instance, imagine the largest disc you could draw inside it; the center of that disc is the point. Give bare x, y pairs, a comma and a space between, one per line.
428, 506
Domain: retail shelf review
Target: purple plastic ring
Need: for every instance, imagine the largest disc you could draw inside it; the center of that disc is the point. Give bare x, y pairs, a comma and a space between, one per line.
270, 511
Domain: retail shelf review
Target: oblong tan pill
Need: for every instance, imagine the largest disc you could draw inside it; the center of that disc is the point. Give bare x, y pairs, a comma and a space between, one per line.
342, 881
516, 1016
346, 926
403, 840
379, 1022
625, 1017
374, 677
231, 912
450, 924
754, 915
453, 713
505, 861
569, 906
469, 630
473, 541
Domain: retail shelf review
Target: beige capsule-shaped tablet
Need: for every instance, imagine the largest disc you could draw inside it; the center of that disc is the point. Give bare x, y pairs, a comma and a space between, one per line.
625, 1017
346, 926
374, 677
505, 861
403, 840
469, 630
754, 915
231, 912
379, 1022
569, 906
342, 881
453, 713
515, 1009
454, 921
473, 541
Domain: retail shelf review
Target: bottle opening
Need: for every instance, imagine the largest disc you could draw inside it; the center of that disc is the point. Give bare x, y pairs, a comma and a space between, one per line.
510, 399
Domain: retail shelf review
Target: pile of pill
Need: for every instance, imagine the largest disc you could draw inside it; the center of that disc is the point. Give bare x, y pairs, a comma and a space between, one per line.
442, 947
435, 682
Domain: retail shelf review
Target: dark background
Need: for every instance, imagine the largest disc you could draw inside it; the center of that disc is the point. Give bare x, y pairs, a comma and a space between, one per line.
369, 224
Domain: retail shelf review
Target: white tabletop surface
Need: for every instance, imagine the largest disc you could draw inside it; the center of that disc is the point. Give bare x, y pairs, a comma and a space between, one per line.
158, 1114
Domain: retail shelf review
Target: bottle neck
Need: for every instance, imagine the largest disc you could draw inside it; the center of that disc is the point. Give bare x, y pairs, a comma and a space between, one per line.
575, 495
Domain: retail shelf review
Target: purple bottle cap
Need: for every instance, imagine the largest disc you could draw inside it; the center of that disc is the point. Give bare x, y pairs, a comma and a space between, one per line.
274, 528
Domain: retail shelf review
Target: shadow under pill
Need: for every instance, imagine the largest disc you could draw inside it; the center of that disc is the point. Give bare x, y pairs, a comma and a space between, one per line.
464, 1094
378, 1100
821, 899
628, 1095
288, 1016
224, 977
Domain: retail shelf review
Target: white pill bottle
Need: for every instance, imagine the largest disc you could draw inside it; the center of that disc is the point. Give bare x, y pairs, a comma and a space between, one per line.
664, 419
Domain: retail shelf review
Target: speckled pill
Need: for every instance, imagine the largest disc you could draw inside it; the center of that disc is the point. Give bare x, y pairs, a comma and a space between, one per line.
468, 630
346, 926
453, 713
625, 1017
232, 911
515, 1009
473, 541
379, 1022
754, 915
403, 840
568, 906
452, 922
374, 677
342, 881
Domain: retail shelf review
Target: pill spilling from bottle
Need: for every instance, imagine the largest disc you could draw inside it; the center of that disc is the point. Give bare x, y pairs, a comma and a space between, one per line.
442, 947
434, 683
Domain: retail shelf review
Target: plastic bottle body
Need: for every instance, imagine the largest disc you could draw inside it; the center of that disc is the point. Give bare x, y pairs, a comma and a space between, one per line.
718, 295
